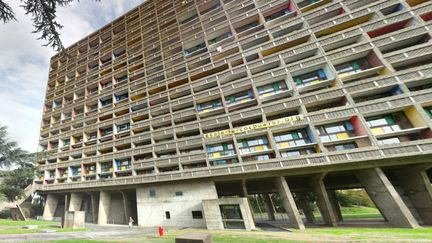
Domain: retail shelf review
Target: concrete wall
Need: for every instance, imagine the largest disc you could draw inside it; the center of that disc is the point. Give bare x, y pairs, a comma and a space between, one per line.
213, 214
151, 210
116, 213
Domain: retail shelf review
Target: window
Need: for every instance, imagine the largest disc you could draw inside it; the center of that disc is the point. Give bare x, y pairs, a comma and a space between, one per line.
224, 162
258, 157
106, 101
352, 67
120, 97
208, 106
292, 139
388, 141
345, 146
106, 131
295, 153
197, 215
239, 97
219, 150
310, 78
179, 193
388, 123
152, 193
429, 111
278, 14
123, 127
336, 131
220, 38
252, 145
271, 89
167, 215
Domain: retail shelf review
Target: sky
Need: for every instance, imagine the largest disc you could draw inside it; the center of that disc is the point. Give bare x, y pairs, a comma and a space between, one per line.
24, 62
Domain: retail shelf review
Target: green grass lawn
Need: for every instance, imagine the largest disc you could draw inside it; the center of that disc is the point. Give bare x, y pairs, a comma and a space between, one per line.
8, 226
9, 222
356, 213
383, 234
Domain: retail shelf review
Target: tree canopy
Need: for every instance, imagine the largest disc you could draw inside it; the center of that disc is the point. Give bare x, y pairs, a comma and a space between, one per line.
43, 14
10, 153
17, 165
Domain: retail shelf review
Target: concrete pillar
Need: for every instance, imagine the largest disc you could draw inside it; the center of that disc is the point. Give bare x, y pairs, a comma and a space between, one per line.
75, 202
335, 205
126, 206
50, 206
94, 197
385, 197
104, 206
418, 188
304, 204
269, 206
317, 186
244, 188
289, 203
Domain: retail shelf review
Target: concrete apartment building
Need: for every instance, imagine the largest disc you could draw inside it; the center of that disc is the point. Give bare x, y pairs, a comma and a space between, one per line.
177, 111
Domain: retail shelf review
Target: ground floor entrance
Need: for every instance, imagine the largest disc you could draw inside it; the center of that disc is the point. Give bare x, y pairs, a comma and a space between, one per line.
400, 196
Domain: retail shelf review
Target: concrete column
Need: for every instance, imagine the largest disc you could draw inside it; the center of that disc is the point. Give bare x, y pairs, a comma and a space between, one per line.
418, 188
244, 188
269, 207
385, 197
304, 204
317, 186
289, 203
75, 202
50, 206
335, 205
104, 206
126, 206
94, 205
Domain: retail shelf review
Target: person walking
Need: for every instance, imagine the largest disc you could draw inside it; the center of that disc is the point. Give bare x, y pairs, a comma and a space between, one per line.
131, 221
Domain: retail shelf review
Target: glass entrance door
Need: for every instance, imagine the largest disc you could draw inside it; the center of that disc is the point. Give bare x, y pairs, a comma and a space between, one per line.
232, 217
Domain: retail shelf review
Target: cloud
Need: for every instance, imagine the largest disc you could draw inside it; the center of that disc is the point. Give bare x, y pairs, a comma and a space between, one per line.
24, 63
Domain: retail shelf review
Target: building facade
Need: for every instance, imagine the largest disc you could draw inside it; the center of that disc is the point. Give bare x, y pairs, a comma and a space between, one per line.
175, 112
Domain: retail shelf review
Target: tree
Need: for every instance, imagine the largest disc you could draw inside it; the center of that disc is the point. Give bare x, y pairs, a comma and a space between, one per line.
11, 156
10, 153
43, 14
15, 181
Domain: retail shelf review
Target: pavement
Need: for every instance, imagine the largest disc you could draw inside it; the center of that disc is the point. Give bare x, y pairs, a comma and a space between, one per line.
95, 232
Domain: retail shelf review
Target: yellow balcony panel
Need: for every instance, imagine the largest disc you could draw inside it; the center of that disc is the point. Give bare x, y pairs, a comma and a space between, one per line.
377, 131
216, 155
138, 96
344, 26
314, 5
342, 135
259, 148
284, 145
415, 2
285, 46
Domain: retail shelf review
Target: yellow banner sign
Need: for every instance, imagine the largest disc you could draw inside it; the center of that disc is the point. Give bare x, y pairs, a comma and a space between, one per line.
256, 126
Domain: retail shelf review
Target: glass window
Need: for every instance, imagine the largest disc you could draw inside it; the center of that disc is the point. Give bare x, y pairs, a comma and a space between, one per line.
345, 146
388, 141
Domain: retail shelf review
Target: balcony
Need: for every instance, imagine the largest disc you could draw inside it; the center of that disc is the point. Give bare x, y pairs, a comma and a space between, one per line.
240, 100
295, 143
123, 167
210, 108
401, 126
314, 80
273, 91
343, 132
257, 145
363, 67
222, 150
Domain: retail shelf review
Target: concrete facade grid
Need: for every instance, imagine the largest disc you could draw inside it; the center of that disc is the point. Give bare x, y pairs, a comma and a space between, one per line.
129, 95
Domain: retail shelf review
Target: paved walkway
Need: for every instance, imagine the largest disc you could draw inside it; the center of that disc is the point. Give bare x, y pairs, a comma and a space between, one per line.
94, 232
